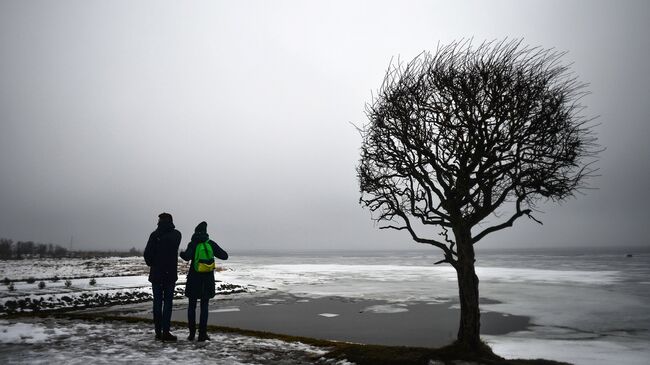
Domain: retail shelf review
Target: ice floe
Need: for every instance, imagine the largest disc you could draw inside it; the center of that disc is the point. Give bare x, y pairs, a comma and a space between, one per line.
387, 308
225, 309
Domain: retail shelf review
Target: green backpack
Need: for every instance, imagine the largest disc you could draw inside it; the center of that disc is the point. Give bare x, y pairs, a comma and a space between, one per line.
203, 257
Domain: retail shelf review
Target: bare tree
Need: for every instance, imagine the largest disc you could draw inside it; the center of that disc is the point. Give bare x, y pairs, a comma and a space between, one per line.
6, 248
458, 136
40, 249
24, 248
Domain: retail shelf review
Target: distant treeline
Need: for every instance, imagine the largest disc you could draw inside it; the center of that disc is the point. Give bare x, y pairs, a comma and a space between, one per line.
28, 249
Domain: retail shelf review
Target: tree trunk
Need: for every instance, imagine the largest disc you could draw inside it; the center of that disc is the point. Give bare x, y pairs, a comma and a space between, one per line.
470, 316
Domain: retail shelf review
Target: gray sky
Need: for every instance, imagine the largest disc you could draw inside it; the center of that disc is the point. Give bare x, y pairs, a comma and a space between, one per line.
238, 113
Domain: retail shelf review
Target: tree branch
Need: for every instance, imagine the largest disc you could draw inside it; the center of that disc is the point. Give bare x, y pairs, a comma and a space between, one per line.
519, 213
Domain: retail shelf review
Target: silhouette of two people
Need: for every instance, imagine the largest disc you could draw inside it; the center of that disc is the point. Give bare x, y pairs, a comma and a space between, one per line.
161, 255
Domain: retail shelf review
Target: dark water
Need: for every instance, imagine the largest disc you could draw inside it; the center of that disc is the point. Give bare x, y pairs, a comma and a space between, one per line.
352, 320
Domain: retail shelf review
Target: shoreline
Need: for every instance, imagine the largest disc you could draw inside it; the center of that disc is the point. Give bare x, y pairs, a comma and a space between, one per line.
248, 345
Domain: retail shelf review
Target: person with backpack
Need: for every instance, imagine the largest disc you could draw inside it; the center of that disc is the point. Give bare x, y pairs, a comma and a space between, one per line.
160, 254
201, 251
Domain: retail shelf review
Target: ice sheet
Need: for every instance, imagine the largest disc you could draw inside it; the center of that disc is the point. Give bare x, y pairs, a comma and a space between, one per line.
578, 302
345, 279
578, 352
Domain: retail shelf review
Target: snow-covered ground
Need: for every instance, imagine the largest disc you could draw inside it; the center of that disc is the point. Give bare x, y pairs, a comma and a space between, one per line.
81, 294
48, 268
105, 282
65, 341
80, 283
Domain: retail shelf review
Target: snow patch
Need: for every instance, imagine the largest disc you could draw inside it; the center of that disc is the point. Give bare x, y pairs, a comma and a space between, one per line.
387, 308
578, 352
226, 309
77, 342
15, 333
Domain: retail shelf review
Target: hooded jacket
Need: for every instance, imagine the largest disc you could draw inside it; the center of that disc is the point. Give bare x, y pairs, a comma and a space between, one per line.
200, 285
161, 253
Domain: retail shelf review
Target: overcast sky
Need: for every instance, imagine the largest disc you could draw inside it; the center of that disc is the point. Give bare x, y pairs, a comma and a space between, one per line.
238, 113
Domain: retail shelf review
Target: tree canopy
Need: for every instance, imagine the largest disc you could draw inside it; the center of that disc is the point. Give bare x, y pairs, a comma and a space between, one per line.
455, 136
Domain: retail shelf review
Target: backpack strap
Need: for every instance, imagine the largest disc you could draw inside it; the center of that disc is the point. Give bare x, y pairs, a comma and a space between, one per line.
205, 249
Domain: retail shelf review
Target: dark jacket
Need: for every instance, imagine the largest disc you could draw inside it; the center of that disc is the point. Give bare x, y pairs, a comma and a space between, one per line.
161, 254
200, 285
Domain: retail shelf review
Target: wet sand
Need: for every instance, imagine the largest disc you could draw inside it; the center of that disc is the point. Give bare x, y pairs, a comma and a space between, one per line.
341, 319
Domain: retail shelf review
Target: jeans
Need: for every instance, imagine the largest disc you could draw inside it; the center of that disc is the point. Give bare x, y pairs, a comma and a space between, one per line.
162, 305
191, 314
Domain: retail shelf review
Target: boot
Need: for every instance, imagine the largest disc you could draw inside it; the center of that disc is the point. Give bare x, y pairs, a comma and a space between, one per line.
203, 336
168, 337
192, 333
158, 328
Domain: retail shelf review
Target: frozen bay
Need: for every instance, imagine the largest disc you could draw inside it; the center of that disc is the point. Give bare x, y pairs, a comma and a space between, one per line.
596, 303
583, 308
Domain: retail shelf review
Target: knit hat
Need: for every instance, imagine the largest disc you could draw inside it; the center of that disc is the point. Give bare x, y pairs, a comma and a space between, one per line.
202, 227
165, 217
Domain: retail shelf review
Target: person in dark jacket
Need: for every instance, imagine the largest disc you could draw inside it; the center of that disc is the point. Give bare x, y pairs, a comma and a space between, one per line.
161, 256
200, 285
